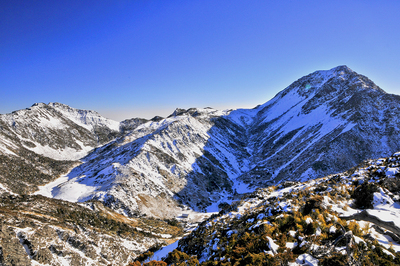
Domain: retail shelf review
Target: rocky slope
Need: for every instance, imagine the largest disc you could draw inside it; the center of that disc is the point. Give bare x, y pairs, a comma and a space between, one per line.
323, 123
35, 230
351, 218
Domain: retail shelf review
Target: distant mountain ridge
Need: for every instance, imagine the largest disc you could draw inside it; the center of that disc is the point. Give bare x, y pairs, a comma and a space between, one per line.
58, 131
323, 123
39, 143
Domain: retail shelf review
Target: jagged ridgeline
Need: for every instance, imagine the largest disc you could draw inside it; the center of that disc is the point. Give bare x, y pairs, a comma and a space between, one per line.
42, 142
323, 123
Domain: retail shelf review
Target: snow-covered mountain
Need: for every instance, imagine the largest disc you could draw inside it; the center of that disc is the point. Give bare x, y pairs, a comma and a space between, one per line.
139, 173
57, 131
321, 124
39, 143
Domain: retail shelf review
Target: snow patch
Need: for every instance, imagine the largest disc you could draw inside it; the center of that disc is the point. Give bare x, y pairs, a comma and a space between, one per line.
307, 259
69, 154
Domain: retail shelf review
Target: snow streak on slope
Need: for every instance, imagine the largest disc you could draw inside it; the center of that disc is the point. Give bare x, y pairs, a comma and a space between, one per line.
85, 118
142, 171
321, 124
6, 146
69, 154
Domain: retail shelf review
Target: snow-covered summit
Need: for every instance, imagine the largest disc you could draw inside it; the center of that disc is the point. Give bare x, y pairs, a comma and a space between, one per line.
328, 83
85, 118
39, 143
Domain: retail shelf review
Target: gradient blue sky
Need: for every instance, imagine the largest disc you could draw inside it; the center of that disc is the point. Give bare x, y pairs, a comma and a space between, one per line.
139, 58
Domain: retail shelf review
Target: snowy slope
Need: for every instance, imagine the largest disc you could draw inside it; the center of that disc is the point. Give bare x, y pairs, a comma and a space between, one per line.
321, 124
142, 171
85, 118
39, 143
58, 131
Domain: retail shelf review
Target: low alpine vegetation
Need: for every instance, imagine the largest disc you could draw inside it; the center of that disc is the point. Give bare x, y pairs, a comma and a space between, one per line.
344, 219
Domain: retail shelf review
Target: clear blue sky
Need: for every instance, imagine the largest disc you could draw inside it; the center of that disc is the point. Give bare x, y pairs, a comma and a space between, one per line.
140, 58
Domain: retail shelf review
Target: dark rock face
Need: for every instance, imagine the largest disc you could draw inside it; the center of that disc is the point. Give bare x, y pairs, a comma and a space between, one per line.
130, 124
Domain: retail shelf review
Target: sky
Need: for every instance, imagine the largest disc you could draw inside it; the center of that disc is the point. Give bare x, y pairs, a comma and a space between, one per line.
143, 58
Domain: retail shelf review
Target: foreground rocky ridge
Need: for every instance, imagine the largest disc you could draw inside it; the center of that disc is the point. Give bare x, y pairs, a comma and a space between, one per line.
351, 218
36, 230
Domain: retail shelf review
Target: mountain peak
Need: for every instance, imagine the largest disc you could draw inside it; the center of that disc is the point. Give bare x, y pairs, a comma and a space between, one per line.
335, 80
38, 104
343, 72
60, 105
342, 69
354, 79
